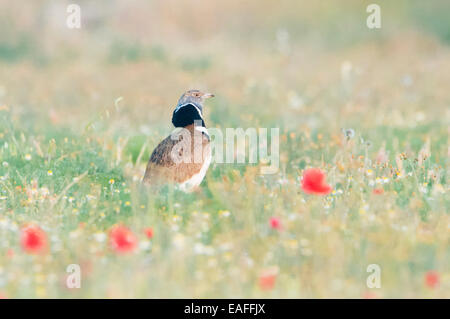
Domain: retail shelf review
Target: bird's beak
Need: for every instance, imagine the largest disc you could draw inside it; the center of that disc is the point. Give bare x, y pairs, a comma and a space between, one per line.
208, 95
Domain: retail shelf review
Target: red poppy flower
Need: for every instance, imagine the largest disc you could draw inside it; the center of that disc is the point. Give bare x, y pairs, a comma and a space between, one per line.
313, 182
33, 239
432, 279
275, 223
121, 239
148, 232
267, 279
378, 191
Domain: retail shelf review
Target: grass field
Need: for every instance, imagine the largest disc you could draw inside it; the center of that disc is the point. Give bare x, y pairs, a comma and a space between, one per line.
81, 110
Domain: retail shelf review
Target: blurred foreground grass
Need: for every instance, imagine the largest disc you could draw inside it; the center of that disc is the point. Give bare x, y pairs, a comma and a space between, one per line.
94, 102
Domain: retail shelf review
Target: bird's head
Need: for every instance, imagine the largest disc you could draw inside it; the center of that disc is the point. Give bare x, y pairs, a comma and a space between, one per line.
190, 108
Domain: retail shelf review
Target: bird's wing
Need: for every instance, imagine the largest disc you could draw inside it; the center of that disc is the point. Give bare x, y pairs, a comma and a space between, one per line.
186, 114
160, 161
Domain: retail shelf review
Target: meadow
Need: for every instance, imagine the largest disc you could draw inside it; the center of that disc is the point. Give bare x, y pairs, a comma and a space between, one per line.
81, 110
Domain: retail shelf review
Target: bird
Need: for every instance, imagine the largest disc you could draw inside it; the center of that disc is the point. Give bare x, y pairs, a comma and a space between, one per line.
183, 157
